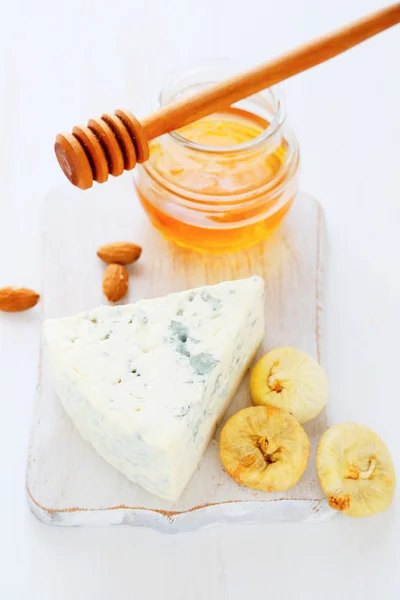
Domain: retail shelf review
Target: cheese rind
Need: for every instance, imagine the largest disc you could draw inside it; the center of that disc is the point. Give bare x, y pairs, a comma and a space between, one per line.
147, 383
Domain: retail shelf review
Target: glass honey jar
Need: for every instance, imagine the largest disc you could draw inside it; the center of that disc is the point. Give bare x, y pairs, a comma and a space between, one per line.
224, 182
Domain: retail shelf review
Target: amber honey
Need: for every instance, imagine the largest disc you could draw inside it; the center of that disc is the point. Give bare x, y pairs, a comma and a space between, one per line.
222, 183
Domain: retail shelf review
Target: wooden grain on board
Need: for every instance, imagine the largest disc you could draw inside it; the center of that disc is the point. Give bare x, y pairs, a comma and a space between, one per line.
68, 483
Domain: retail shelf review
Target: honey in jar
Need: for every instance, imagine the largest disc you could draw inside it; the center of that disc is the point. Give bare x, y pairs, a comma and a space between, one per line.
224, 182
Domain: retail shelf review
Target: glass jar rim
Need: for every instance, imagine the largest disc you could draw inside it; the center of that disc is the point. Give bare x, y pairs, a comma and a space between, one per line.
273, 127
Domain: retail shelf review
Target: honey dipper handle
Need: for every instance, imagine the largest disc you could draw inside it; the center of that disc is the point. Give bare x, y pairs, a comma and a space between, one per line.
116, 142
221, 95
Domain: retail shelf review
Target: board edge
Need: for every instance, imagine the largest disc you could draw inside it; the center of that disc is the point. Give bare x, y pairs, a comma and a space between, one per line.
203, 517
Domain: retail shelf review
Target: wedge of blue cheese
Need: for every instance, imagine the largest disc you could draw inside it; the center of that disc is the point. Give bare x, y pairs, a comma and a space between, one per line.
147, 383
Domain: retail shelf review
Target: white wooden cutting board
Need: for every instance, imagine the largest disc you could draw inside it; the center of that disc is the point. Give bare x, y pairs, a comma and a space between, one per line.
67, 482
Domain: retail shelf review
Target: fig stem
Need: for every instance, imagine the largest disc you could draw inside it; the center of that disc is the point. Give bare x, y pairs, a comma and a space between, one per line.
274, 384
368, 473
355, 473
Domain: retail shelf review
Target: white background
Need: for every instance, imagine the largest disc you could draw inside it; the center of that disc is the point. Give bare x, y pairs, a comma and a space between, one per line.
64, 62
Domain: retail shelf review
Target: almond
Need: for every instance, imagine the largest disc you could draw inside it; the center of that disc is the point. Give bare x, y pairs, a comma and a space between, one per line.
122, 253
115, 282
16, 299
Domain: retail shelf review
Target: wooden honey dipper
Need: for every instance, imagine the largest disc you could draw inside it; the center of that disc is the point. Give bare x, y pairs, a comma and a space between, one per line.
116, 142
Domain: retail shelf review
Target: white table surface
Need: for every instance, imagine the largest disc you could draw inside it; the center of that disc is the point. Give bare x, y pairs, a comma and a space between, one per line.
61, 63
